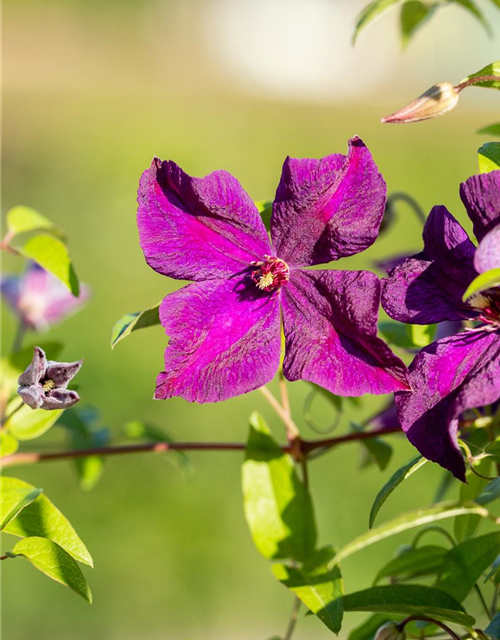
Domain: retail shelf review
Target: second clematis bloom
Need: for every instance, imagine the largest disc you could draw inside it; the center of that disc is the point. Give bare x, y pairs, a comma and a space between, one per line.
224, 328
461, 371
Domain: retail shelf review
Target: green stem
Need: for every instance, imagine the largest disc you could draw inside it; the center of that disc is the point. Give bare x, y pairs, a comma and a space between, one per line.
438, 623
19, 337
293, 619
435, 529
482, 601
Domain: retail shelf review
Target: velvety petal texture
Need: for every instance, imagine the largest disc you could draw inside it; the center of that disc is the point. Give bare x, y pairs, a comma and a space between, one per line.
428, 287
488, 252
224, 340
36, 369
448, 377
327, 209
197, 228
330, 324
481, 197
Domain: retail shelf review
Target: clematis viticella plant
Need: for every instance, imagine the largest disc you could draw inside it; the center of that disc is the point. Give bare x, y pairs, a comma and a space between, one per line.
224, 328
462, 371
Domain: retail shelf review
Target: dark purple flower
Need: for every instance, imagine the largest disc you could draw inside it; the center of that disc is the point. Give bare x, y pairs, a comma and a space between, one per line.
225, 327
44, 383
462, 371
39, 298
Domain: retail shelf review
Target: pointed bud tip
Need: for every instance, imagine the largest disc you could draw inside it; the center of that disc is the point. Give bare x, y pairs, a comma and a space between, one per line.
436, 101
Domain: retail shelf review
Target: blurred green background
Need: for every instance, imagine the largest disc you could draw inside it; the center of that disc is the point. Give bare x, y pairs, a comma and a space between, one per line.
91, 91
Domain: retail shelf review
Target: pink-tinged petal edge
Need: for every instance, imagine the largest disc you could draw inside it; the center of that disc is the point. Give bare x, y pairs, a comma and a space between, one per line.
481, 197
197, 228
330, 323
448, 377
224, 340
329, 208
488, 253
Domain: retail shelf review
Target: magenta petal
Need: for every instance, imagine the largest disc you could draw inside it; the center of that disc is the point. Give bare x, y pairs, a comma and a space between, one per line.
224, 341
448, 377
327, 209
330, 323
428, 287
197, 228
481, 197
488, 253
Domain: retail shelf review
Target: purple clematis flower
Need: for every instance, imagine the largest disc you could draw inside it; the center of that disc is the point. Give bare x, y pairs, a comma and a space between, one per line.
39, 298
44, 383
461, 371
225, 327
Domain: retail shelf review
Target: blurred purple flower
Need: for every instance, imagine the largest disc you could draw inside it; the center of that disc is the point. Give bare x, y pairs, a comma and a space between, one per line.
43, 384
225, 327
461, 371
39, 299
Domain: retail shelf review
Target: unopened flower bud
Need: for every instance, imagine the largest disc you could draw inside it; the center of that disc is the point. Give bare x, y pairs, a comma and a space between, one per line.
390, 631
436, 101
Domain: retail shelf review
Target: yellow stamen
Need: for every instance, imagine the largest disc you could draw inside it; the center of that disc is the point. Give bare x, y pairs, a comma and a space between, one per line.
265, 281
479, 301
48, 385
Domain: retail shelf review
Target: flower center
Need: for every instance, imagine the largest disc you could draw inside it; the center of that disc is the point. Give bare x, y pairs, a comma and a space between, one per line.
48, 385
488, 304
270, 274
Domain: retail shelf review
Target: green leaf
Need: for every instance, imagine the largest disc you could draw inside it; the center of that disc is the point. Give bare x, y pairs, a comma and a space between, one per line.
489, 157
52, 560
21, 219
319, 588
413, 15
278, 507
27, 424
133, 321
465, 527
13, 499
414, 562
491, 130
407, 336
408, 599
376, 449
368, 629
139, 430
409, 520
265, 208
490, 492
473, 9
8, 444
464, 564
394, 481
492, 69
493, 629
43, 518
371, 12
483, 282
51, 254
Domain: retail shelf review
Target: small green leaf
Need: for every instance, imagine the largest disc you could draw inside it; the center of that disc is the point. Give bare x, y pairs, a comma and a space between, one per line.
464, 564
52, 560
413, 15
414, 562
409, 520
13, 499
319, 588
407, 336
493, 629
492, 69
489, 157
490, 492
8, 444
27, 424
465, 527
371, 12
43, 518
133, 321
483, 282
265, 208
491, 130
51, 254
403, 473
368, 629
408, 599
21, 219
278, 507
